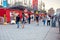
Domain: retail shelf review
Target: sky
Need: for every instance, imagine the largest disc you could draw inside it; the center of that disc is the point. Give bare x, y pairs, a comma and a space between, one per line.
52, 3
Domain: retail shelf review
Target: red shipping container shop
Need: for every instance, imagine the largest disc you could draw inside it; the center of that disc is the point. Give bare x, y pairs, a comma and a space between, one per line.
7, 13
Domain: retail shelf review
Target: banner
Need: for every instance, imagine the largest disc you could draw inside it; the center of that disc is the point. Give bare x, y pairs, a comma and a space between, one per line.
35, 4
5, 3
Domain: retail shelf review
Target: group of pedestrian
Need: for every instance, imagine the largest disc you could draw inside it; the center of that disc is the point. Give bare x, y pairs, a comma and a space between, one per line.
30, 19
46, 20
23, 21
50, 21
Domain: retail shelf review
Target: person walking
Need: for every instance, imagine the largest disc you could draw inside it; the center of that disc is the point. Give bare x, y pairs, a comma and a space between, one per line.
23, 20
48, 20
44, 20
17, 20
29, 19
37, 19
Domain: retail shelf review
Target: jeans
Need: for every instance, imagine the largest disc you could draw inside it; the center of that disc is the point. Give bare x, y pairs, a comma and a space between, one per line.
17, 24
44, 22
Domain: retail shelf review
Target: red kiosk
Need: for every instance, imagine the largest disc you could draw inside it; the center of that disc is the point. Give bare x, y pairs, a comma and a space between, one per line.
6, 12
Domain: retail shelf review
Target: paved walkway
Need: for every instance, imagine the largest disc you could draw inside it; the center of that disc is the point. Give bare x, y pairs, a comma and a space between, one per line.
53, 34
30, 32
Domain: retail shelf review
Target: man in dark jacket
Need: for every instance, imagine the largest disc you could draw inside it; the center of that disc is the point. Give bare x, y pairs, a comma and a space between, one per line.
17, 21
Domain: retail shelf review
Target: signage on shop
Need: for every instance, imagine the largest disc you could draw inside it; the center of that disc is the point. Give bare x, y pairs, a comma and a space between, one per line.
4, 3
